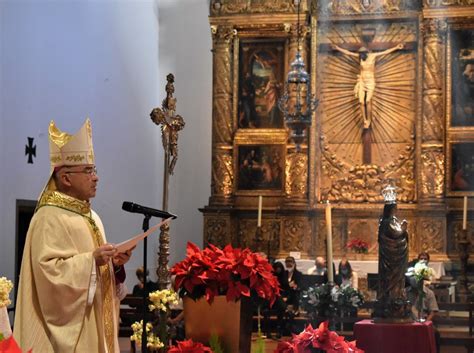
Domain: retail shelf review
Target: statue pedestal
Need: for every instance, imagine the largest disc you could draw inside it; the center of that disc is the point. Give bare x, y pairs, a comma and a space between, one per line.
394, 338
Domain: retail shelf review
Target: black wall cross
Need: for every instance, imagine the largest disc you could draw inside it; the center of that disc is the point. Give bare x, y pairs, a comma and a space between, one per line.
30, 150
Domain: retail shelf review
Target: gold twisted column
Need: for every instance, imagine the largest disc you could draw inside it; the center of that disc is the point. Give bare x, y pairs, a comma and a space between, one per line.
431, 225
170, 124
296, 165
222, 183
432, 140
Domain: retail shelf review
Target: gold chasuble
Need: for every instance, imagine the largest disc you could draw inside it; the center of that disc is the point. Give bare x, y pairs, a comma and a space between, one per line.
65, 302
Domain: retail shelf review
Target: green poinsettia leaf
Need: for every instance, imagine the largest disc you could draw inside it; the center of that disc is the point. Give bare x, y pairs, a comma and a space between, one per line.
259, 346
215, 344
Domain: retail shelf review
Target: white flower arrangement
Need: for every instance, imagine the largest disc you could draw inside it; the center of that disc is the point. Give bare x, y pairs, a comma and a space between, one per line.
153, 342
162, 299
5, 288
421, 271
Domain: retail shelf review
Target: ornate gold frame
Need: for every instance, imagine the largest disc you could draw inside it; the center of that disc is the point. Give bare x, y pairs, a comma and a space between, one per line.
454, 134
455, 139
237, 48
449, 89
297, 209
260, 137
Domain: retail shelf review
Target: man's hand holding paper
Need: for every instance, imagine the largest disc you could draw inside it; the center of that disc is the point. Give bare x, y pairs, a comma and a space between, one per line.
132, 242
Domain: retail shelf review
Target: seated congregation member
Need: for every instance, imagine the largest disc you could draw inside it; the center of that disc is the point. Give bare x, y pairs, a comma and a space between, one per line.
176, 317
429, 305
320, 269
422, 256
293, 277
287, 305
346, 274
279, 307
140, 287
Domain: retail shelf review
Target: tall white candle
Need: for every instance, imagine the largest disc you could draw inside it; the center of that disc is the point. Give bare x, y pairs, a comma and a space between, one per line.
329, 242
464, 214
259, 220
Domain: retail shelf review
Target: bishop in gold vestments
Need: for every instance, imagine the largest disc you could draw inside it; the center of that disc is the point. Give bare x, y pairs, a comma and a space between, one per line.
68, 298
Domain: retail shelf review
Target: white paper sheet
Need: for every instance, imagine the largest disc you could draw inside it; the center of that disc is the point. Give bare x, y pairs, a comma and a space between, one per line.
130, 243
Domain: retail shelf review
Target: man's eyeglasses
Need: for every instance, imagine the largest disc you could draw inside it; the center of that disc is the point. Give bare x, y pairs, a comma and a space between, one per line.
90, 171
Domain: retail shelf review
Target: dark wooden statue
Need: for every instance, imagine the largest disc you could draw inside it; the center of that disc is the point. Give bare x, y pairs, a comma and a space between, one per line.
392, 304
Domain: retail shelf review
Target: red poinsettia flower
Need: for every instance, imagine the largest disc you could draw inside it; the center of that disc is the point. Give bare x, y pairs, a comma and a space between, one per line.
189, 346
337, 344
231, 271
353, 348
321, 338
305, 338
285, 347
9, 345
358, 245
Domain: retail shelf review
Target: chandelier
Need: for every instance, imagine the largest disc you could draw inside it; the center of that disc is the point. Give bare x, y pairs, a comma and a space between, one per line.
297, 103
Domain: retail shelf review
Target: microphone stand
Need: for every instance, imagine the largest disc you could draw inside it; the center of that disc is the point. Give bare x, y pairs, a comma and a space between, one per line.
145, 227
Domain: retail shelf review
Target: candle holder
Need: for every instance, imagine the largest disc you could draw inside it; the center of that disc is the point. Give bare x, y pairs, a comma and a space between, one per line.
463, 250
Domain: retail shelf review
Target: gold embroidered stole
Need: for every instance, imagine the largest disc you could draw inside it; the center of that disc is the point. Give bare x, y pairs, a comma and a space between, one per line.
107, 290
58, 199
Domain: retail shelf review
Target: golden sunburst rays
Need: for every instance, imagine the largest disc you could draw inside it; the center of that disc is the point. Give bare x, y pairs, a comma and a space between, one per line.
393, 105
341, 120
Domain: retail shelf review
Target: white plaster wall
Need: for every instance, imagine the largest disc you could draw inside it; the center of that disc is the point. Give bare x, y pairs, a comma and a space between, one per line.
185, 50
106, 59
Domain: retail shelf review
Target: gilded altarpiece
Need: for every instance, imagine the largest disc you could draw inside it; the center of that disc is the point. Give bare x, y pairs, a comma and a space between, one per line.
388, 113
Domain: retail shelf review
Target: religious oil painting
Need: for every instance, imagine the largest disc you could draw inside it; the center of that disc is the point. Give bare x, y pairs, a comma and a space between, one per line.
261, 167
261, 75
462, 166
462, 76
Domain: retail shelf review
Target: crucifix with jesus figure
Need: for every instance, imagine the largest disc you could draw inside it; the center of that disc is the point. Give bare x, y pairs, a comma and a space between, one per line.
365, 85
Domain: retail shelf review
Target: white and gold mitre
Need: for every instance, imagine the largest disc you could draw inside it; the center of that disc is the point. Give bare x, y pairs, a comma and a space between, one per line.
66, 149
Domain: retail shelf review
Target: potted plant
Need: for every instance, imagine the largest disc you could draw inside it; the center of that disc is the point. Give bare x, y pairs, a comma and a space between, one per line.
317, 340
161, 301
329, 302
189, 346
216, 285
359, 247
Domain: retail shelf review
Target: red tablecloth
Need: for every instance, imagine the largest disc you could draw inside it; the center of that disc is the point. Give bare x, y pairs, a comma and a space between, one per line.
395, 338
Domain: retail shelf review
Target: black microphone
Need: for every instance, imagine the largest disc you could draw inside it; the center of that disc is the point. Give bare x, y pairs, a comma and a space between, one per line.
135, 208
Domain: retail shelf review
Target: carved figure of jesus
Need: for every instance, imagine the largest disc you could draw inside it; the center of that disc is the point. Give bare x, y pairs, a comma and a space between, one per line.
365, 86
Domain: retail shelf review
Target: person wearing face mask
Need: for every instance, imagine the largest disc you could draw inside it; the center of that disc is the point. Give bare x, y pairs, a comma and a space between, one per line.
293, 277
348, 277
422, 256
